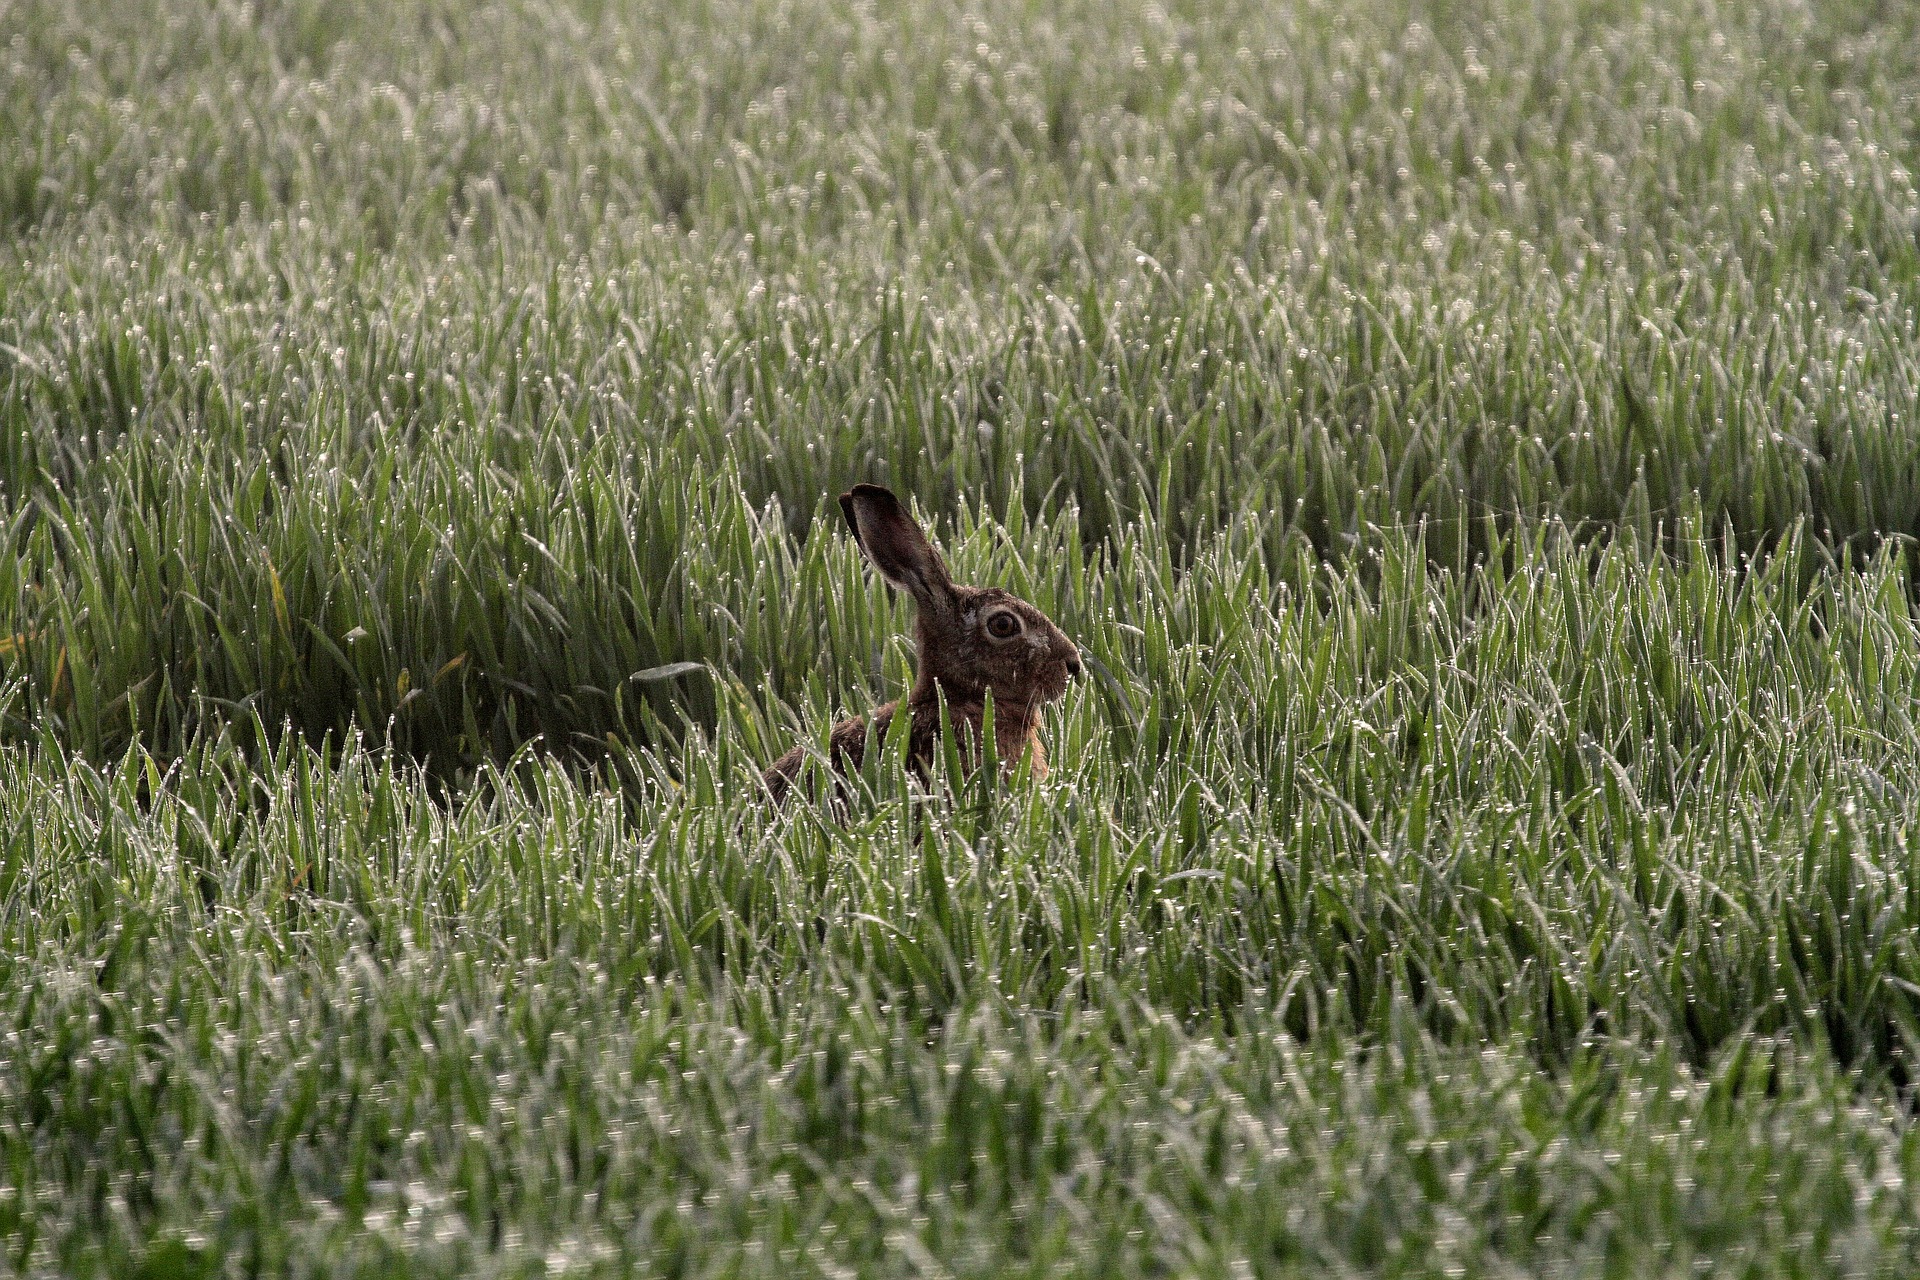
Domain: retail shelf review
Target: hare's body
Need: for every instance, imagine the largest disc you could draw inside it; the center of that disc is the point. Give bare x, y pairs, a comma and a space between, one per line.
1013, 738
972, 641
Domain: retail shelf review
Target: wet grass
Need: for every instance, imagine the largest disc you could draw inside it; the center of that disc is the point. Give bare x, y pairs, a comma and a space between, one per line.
1476, 444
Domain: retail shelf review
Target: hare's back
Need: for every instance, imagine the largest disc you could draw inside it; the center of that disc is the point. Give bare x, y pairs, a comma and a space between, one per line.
847, 747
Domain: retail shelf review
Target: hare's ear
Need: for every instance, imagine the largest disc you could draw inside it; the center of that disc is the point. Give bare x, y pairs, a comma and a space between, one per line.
896, 547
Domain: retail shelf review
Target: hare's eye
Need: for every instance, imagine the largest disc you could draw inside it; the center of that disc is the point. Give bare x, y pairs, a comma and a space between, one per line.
1003, 626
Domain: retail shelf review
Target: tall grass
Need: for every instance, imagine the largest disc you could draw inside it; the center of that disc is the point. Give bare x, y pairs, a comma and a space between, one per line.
378, 299
1475, 442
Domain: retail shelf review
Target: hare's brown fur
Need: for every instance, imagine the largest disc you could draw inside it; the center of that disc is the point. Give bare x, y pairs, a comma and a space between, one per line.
972, 641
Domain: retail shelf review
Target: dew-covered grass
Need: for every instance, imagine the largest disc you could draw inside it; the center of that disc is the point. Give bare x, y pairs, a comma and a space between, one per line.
1475, 443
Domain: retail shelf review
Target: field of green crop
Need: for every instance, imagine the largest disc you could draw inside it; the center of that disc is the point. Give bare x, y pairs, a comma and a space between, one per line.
1478, 442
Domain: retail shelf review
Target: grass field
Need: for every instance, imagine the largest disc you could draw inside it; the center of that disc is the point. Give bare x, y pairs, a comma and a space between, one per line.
1476, 440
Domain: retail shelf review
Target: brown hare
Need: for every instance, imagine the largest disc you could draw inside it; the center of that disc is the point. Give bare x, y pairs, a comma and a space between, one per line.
971, 640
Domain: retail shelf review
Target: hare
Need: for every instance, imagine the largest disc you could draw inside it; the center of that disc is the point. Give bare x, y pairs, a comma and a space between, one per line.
971, 640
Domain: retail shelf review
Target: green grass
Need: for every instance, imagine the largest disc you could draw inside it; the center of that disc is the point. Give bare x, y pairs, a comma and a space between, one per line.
1476, 441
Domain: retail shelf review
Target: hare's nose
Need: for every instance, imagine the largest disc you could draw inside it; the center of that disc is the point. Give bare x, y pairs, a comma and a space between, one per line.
1073, 663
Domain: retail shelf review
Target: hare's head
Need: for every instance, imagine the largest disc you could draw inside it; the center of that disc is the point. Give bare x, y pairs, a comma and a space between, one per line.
972, 639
